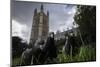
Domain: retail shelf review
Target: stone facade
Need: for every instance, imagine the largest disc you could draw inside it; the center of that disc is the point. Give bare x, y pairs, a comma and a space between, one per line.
40, 25
61, 35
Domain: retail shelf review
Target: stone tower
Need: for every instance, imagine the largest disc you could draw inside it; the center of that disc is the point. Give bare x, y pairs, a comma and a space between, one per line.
40, 25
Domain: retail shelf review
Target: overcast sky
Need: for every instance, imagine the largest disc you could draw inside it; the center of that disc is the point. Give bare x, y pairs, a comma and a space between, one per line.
60, 17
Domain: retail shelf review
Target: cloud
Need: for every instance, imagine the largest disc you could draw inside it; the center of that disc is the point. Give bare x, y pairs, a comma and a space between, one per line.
19, 30
60, 17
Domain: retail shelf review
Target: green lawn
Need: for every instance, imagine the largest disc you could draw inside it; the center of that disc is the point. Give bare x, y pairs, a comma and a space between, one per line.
86, 53
16, 61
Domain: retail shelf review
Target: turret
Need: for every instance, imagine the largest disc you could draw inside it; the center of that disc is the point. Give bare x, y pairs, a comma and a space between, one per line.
48, 13
42, 8
35, 12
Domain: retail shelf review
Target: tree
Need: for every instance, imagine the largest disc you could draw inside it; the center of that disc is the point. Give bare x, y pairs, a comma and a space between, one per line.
17, 46
86, 19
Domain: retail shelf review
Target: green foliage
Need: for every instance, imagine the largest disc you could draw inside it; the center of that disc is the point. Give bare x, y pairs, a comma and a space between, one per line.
87, 53
64, 58
17, 46
16, 61
59, 44
86, 19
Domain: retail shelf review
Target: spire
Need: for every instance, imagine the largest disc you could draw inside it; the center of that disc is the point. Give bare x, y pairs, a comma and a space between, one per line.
42, 7
48, 13
35, 11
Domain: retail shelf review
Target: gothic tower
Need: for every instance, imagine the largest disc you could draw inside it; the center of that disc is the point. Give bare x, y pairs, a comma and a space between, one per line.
40, 25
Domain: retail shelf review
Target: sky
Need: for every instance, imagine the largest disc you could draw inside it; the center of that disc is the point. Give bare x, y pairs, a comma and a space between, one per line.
60, 17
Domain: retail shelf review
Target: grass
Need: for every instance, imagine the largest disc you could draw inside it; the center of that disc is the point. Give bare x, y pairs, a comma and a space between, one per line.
64, 58
86, 53
16, 61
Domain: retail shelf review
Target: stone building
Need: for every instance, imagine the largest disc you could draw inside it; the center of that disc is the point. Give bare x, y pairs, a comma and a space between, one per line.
40, 25
62, 35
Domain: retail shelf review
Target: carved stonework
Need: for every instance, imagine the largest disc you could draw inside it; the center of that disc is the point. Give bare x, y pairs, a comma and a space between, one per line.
40, 25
